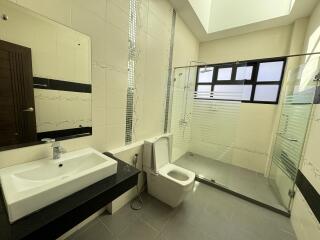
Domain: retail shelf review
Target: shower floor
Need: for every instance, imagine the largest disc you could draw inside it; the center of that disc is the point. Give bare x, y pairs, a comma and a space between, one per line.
240, 180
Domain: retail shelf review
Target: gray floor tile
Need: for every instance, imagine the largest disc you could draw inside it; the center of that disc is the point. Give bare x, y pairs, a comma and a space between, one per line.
180, 228
241, 180
206, 214
119, 221
156, 213
139, 230
95, 230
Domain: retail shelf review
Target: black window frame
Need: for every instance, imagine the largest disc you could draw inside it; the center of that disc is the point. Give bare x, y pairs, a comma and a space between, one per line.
253, 81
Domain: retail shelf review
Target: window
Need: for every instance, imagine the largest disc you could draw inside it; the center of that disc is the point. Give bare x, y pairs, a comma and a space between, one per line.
244, 73
257, 81
270, 71
205, 75
224, 73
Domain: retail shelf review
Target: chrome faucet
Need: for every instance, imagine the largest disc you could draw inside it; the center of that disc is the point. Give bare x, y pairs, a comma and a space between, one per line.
56, 148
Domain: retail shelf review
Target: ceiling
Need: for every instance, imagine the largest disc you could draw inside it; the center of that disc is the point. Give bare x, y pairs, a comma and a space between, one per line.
214, 19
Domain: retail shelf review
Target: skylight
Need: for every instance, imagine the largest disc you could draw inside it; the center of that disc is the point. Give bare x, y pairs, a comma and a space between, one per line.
219, 15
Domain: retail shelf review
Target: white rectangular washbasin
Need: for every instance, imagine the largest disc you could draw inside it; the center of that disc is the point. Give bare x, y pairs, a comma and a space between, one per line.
31, 186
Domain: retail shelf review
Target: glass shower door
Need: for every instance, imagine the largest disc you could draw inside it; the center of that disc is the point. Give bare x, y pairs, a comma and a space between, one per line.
181, 110
291, 134
205, 114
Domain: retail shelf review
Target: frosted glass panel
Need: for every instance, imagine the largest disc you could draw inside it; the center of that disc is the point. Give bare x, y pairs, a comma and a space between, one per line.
230, 92
203, 91
244, 73
266, 93
224, 74
246, 95
205, 75
270, 71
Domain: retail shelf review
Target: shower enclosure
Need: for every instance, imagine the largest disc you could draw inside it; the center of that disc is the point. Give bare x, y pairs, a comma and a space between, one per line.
290, 137
210, 105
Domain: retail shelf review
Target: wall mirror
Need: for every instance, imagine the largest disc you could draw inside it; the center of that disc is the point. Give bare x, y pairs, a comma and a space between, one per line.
45, 79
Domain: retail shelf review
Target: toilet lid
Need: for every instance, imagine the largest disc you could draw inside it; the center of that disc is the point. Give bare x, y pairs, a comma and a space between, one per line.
161, 152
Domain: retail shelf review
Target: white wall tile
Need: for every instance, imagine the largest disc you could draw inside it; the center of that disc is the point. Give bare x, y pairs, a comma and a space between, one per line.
94, 26
57, 10
116, 48
98, 86
97, 7
118, 17
304, 222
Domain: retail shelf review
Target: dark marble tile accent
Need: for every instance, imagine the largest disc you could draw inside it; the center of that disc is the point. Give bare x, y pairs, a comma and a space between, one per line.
66, 133
52, 84
309, 193
317, 96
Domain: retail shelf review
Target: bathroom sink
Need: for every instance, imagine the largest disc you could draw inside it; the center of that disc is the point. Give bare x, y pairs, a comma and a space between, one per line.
31, 186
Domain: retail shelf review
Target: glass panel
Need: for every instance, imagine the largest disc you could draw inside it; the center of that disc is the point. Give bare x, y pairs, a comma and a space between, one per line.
293, 125
270, 71
246, 95
217, 141
267, 93
244, 73
228, 92
224, 74
205, 75
182, 98
203, 91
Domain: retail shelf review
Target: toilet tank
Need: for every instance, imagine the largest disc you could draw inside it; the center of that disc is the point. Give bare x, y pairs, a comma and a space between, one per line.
148, 158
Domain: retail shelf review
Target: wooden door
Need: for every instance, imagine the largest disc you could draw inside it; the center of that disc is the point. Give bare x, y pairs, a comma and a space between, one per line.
17, 115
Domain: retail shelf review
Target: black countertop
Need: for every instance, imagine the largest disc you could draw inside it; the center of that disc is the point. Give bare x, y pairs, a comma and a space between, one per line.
55, 219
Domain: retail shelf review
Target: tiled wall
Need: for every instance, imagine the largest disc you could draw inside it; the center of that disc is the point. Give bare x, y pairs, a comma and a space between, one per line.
153, 41
106, 22
304, 221
56, 110
58, 52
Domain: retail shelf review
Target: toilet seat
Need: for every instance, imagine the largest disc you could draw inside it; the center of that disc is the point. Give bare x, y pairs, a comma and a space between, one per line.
166, 169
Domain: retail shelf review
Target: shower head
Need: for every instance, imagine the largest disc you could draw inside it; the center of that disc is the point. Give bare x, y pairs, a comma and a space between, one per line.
202, 64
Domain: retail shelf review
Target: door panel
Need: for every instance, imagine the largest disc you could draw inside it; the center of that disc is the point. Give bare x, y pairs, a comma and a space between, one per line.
16, 95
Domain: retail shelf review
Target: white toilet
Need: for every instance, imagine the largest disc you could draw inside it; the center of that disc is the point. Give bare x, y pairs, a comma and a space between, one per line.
167, 182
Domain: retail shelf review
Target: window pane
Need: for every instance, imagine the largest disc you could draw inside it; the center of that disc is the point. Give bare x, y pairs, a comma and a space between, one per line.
270, 71
266, 93
228, 92
246, 95
205, 75
224, 73
244, 73
203, 91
